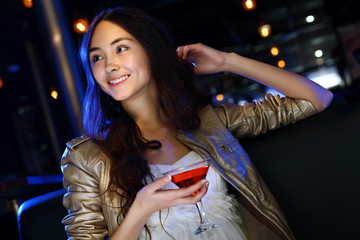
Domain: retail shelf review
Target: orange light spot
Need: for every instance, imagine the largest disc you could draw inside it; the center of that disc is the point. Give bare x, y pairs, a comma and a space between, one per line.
28, 3
54, 94
265, 30
249, 5
220, 97
81, 25
281, 63
274, 51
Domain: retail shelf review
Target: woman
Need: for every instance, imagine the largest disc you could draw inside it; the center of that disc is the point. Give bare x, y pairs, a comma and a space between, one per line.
142, 113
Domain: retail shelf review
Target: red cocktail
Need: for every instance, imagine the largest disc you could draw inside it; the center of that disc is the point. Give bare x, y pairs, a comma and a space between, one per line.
189, 175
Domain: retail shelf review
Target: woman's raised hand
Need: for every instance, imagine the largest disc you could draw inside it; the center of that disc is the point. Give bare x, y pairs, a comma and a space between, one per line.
206, 59
152, 198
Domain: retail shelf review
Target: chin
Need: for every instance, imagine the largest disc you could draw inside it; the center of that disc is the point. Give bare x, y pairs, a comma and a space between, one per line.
119, 98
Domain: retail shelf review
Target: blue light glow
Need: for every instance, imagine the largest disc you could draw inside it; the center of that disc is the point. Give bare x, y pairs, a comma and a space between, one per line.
13, 68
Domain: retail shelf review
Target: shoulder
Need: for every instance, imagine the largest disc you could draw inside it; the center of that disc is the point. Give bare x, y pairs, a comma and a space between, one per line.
72, 144
84, 166
82, 151
83, 144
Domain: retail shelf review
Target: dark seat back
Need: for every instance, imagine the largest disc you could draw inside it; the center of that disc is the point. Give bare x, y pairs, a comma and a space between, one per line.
312, 168
40, 218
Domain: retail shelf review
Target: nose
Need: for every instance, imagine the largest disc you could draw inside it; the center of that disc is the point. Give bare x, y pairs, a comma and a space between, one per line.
111, 67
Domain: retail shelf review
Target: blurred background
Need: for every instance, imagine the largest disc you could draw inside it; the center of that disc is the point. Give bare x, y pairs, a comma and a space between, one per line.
42, 83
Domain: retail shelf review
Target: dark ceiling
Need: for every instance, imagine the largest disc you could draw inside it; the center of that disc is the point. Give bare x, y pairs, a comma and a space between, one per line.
224, 24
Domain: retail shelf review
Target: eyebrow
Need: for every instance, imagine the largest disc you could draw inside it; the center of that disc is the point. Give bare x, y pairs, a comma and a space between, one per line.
112, 43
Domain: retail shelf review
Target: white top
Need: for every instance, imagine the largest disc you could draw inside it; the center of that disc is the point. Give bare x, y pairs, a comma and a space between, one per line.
181, 221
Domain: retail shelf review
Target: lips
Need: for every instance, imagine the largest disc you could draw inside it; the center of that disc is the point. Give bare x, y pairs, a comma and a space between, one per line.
118, 80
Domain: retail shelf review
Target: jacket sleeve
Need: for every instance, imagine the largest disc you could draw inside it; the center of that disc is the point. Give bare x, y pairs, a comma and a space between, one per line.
85, 219
263, 115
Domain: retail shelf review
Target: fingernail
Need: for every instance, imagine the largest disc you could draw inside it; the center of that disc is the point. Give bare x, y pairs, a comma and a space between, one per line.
168, 178
207, 184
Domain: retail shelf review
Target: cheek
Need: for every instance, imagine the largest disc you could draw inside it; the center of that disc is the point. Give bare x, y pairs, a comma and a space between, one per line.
145, 66
96, 74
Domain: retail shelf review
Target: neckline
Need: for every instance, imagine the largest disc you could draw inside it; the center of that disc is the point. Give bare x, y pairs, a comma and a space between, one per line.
169, 165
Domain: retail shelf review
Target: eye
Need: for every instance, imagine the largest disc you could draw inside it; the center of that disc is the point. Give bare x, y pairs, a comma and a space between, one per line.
121, 49
95, 58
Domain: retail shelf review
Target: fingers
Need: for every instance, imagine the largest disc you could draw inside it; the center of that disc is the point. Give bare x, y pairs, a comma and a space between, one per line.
192, 188
190, 195
158, 184
152, 198
184, 51
182, 196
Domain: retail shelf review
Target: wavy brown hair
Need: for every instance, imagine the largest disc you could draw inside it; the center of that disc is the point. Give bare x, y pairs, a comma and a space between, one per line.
106, 122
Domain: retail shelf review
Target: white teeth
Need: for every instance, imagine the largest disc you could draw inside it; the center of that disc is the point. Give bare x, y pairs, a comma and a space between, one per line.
119, 79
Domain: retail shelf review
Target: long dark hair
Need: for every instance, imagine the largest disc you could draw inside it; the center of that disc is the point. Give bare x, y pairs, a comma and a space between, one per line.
105, 121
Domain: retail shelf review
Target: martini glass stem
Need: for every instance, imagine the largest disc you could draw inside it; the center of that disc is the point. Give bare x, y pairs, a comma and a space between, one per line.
202, 214
205, 224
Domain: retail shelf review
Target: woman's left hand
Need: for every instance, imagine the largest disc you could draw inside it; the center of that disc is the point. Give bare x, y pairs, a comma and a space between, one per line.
206, 59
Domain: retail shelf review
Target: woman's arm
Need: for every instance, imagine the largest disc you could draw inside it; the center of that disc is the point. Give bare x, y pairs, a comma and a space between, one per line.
151, 199
209, 60
85, 218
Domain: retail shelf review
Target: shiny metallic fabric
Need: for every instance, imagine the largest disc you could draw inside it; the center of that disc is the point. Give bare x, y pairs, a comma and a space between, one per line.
93, 215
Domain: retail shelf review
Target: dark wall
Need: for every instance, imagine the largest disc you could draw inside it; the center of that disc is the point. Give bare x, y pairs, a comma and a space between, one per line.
312, 168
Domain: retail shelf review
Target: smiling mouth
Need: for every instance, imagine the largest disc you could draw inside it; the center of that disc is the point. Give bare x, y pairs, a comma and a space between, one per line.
119, 80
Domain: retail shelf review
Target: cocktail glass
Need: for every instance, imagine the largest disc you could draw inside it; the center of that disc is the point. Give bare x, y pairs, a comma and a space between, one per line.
189, 175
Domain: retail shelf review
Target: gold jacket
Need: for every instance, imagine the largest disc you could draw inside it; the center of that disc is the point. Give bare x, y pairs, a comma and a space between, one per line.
93, 215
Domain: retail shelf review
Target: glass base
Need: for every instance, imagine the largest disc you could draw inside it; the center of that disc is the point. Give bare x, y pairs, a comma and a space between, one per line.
205, 226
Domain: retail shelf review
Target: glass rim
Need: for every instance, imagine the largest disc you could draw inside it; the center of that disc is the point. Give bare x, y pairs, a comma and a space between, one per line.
188, 167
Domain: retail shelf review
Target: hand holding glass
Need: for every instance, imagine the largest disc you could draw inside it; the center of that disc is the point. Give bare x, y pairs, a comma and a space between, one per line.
189, 175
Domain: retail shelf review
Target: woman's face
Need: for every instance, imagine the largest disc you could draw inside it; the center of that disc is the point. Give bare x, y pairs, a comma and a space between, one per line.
119, 63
